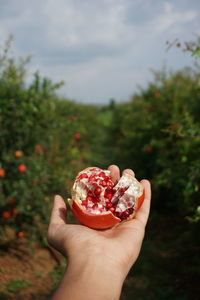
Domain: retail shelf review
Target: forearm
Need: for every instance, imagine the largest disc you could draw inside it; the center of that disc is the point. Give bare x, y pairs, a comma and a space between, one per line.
90, 281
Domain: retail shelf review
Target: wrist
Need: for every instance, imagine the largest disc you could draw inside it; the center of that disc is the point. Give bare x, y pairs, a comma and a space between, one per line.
92, 279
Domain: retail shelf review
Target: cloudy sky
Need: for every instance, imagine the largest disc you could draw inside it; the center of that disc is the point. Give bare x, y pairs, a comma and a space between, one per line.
102, 49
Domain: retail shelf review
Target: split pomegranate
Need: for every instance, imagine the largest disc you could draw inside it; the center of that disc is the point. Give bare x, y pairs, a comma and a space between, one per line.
98, 203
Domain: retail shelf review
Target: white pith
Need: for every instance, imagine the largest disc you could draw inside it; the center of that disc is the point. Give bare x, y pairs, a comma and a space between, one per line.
128, 200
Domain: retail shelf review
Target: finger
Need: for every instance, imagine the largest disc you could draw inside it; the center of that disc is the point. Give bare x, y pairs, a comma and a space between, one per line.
128, 171
58, 214
143, 213
114, 172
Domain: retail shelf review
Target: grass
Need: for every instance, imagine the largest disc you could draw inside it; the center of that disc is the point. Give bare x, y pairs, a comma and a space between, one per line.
56, 274
16, 285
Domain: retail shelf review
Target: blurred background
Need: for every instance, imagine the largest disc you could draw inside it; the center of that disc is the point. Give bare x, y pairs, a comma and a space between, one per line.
97, 83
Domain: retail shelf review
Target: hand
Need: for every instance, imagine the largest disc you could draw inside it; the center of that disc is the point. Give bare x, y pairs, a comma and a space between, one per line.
110, 252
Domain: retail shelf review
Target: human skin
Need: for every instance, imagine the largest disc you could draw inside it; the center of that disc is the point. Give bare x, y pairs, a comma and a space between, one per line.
98, 260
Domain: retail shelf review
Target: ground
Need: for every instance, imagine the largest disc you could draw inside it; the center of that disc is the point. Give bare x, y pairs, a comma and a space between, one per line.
168, 267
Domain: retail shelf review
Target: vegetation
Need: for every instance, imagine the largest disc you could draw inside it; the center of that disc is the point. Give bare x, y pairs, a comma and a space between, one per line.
46, 140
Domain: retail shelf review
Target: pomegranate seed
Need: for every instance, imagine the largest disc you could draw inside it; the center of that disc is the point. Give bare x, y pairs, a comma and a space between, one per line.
112, 209
117, 214
89, 198
108, 204
96, 199
131, 210
102, 174
104, 183
90, 194
124, 215
108, 196
98, 191
84, 202
95, 206
84, 175
99, 181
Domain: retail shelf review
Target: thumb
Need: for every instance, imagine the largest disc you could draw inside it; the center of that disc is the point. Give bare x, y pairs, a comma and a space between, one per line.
58, 215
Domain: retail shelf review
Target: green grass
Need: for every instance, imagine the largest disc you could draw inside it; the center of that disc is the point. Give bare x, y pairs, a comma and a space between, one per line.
56, 274
17, 284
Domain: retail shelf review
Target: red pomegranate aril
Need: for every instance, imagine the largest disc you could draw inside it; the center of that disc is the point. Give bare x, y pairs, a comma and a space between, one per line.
109, 204
84, 202
99, 181
108, 196
92, 178
98, 191
112, 209
104, 183
83, 176
106, 178
102, 174
89, 198
131, 210
96, 199
90, 193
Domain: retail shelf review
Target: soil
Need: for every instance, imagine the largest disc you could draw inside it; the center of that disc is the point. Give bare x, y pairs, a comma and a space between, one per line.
168, 266
32, 264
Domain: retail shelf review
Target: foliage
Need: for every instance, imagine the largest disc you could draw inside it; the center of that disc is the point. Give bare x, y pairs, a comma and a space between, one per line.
46, 140
158, 134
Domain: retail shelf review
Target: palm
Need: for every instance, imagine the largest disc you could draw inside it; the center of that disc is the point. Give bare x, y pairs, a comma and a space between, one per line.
121, 243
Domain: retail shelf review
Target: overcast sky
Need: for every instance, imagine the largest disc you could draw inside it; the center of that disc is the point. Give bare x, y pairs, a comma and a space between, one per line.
102, 49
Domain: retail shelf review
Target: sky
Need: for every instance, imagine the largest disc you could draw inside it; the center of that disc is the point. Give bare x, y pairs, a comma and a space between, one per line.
102, 49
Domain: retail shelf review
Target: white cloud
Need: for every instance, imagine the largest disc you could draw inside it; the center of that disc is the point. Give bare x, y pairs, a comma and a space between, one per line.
100, 48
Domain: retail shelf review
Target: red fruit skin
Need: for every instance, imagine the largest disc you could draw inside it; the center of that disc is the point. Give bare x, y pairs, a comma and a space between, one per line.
22, 168
77, 136
2, 172
39, 149
140, 201
21, 234
18, 153
103, 221
94, 221
6, 214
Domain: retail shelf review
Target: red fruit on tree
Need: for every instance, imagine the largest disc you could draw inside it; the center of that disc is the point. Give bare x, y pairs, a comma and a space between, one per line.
39, 149
77, 136
6, 214
15, 211
22, 168
18, 153
2, 172
21, 234
99, 205
11, 200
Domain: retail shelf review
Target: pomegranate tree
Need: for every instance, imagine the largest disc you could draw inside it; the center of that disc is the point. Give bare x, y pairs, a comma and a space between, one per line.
98, 203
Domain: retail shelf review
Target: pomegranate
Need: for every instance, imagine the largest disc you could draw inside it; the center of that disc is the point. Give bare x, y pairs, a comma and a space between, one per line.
98, 203
18, 153
6, 214
2, 172
39, 149
22, 168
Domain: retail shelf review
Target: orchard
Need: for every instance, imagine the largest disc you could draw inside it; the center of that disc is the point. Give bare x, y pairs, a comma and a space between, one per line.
47, 140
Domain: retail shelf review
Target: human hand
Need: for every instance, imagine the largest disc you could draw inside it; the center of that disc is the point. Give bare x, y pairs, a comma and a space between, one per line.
110, 252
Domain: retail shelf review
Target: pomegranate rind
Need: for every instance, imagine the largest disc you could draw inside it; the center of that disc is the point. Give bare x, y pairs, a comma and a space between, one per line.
106, 219
140, 200
103, 221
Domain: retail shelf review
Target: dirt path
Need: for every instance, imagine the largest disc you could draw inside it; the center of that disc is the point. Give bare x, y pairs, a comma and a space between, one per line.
27, 272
